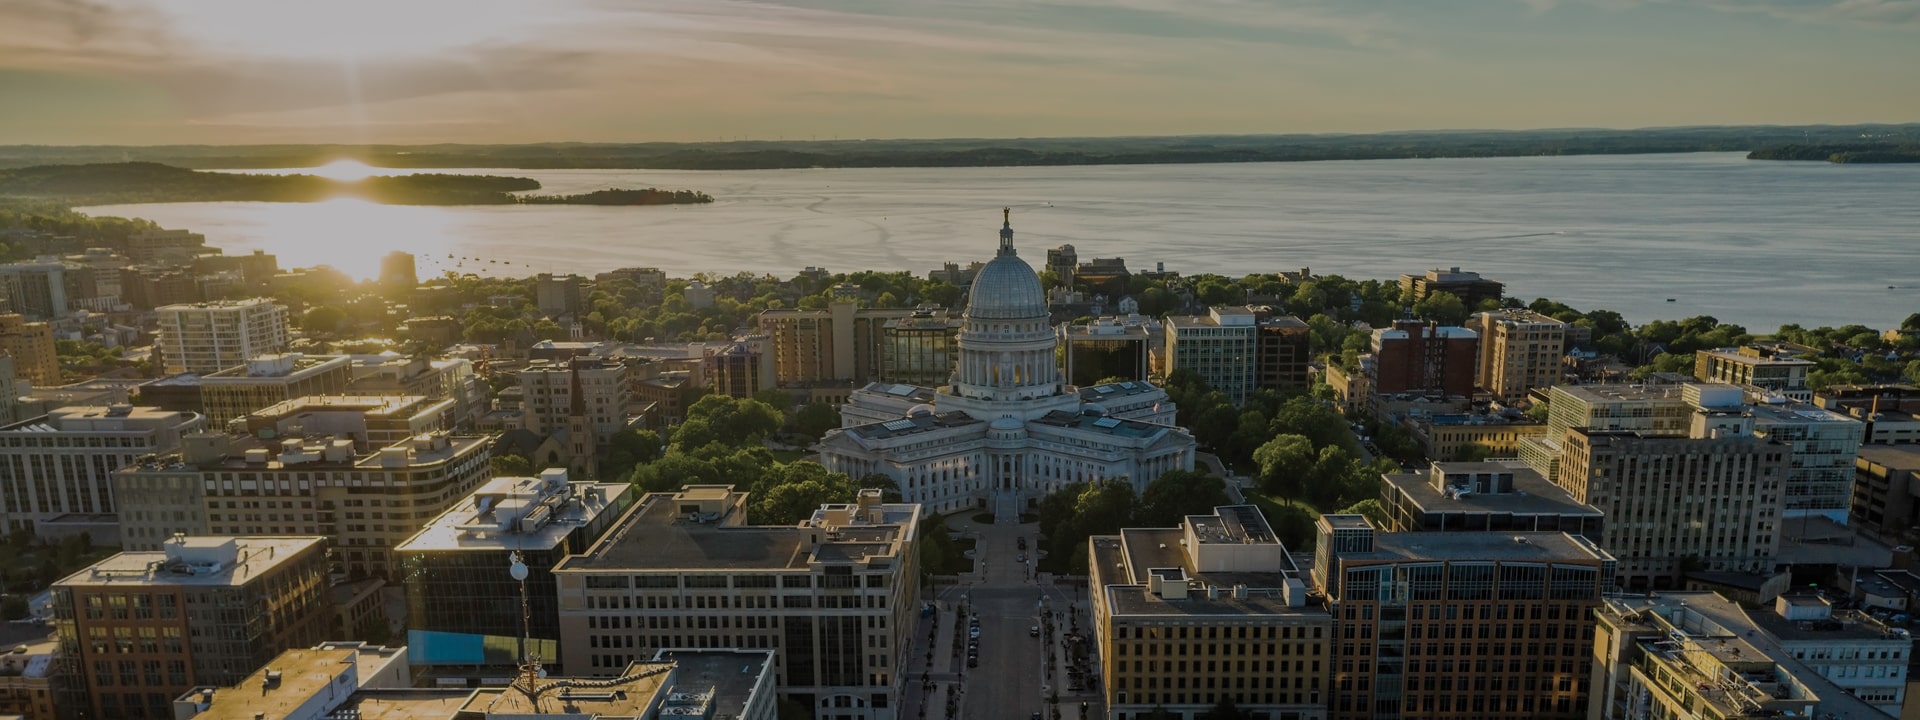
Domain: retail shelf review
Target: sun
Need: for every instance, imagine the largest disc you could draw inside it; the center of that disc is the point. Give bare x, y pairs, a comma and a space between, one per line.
344, 170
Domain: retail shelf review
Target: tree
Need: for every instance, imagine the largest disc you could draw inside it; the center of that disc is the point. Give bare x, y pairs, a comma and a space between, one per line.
1441, 307
815, 419
13, 607
787, 504
1285, 463
1177, 494
1472, 452
511, 466
1371, 508
323, 319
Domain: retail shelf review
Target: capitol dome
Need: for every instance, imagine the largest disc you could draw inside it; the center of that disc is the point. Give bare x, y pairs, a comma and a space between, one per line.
1007, 288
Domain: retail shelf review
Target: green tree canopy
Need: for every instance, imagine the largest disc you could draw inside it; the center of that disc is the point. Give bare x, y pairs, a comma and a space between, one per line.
1177, 494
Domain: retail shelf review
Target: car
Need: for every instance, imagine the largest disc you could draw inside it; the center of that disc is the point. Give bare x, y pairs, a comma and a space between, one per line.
1033, 631
973, 662
973, 633
1035, 716
1023, 542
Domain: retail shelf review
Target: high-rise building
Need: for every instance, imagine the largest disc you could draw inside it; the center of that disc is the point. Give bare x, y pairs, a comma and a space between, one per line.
1424, 358
40, 290
266, 380
140, 628
1214, 611
1468, 286
1283, 354
1006, 429
1699, 656
1222, 347
557, 295
740, 368
463, 606
30, 344
548, 396
1820, 444
63, 463
841, 344
168, 245
28, 678
1886, 492
367, 420
1484, 497
1109, 347
397, 271
210, 337
365, 500
834, 597
1519, 350
1458, 625
433, 378
1709, 501
919, 349
1761, 370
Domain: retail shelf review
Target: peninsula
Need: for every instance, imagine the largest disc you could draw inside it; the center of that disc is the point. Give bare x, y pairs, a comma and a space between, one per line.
144, 182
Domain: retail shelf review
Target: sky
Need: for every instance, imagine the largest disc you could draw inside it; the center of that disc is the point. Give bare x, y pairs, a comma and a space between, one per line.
483, 71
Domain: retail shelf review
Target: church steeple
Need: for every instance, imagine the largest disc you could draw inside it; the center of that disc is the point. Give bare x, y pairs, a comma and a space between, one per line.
1006, 231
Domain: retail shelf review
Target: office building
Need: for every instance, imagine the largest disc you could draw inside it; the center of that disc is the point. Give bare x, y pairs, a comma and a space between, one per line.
1449, 436
740, 368
397, 271
28, 676
548, 396
1821, 446
449, 378
1699, 656
365, 500
1501, 496
140, 628
38, 289
1214, 611
30, 344
367, 420
1283, 355
1109, 347
1424, 359
210, 337
1863, 655
919, 349
1710, 501
1519, 350
463, 607
266, 380
1762, 370
353, 681
1468, 286
841, 344
63, 463
1458, 625
557, 295
1221, 347
1006, 429
1886, 493
167, 245
834, 597
698, 295
146, 287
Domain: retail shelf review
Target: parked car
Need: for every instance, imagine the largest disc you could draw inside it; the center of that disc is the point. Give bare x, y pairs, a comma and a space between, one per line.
1033, 631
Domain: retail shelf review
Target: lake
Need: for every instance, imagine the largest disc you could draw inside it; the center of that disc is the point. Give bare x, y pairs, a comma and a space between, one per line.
1755, 242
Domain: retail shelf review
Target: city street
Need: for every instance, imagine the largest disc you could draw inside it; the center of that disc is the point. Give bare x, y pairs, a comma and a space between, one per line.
1012, 680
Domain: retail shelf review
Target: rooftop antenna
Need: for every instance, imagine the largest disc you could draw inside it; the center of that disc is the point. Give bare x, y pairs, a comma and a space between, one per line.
530, 671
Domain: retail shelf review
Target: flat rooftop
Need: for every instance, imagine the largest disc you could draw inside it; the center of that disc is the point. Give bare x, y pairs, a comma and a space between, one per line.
1818, 540
1110, 391
628, 696
916, 393
1429, 546
913, 425
285, 366
1845, 626
256, 555
298, 676
402, 704
727, 677
373, 406
1794, 412
1126, 560
100, 419
1102, 424
660, 534
466, 526
1531, 495
1903, 457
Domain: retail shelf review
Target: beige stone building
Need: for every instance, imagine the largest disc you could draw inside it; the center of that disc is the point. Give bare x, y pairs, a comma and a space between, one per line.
366, 500
844, 343
1519, 350
1215, 610
213, 336
267, 380
835, 597
30, 344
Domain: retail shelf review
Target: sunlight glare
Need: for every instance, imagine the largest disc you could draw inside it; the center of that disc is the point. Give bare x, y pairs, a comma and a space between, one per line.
352, 234
345, 170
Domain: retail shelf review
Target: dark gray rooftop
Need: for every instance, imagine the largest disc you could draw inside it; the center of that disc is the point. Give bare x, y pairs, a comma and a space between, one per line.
919, 423
1532, 494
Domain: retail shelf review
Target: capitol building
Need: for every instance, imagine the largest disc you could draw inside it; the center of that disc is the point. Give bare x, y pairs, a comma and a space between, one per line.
1006, 429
